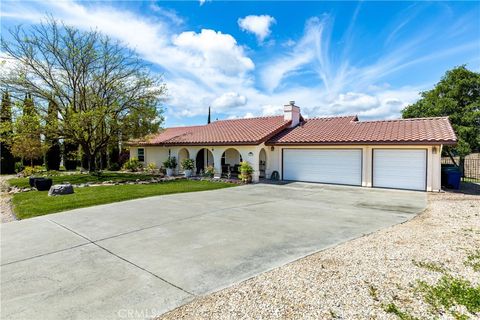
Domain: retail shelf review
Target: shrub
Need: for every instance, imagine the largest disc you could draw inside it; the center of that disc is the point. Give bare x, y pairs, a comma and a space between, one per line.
151, 167
170, 163
124, 157
19, 167
246, 171
28, 171
132, 165
114, 167
188, 164
53, 173
96, 173
209, 172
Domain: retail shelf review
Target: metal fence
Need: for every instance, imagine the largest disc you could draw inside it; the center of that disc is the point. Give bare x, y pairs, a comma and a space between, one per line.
471, 170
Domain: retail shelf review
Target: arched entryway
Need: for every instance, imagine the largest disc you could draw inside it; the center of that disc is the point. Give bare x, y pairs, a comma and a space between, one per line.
262, 164
182, 154
203, 159
231, 159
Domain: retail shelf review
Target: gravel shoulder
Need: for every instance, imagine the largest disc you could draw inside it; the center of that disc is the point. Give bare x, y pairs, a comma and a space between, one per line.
357, 279
6, 209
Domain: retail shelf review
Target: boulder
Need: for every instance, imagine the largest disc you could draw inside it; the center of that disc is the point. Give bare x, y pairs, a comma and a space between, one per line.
60, 189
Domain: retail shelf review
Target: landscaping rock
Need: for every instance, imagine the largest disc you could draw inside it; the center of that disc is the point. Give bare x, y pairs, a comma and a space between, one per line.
60, 189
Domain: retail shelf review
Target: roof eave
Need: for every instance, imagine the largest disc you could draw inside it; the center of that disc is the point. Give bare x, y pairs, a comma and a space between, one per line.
333, 143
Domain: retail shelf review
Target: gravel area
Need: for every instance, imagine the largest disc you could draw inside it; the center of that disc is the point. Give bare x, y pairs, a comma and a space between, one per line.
6, 211
357, 279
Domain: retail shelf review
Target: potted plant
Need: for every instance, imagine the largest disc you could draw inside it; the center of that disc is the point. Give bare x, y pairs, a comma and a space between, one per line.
188, 165
170, 164
246, 171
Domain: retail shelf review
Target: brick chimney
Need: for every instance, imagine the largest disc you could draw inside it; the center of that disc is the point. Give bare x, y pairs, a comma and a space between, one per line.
291, 112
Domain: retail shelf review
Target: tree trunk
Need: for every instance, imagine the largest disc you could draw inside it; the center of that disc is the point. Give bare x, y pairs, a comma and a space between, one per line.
91, 163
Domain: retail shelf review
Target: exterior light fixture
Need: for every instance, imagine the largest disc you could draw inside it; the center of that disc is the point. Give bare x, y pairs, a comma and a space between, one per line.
434, 150
250, 154
272, 148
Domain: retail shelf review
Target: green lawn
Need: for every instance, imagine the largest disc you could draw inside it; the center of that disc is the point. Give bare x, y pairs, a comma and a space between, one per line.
78, 178
37, 203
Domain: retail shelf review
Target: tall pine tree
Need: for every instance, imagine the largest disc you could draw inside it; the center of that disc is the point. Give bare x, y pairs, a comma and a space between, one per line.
7, 165
27, 143
31, 116
53, 154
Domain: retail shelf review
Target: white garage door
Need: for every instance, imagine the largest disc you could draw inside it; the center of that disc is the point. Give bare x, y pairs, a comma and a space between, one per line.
341, 166
400, 169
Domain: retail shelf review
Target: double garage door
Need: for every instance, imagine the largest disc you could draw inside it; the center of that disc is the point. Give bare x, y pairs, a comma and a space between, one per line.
392, 168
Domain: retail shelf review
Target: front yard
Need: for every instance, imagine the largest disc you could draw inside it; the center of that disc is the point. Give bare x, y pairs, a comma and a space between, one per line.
78, 178
36, 203
426, 268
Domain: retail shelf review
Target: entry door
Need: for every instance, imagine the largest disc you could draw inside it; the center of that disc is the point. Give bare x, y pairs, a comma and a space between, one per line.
400, 168
339, 166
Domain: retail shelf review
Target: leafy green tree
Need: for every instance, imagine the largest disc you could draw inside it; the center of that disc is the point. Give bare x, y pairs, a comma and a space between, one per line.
144, 120
53, 153
26, 143
31, 118
457, 96
7, 165
95, 82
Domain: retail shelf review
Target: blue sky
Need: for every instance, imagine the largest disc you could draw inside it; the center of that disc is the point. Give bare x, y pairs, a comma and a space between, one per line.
249, 58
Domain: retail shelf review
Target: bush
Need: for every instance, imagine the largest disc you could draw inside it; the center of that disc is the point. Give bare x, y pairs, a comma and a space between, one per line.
53, 173
151, 167
188, 164
97, 173
28, 171
170, 163
114, 167
132, 165
209, 172
19, 167
246, 171
53, 157
124, 157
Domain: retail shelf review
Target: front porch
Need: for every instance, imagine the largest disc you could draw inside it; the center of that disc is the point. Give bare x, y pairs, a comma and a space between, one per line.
225, 160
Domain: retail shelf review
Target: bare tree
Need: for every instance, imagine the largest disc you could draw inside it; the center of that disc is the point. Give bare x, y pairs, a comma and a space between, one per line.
94, 81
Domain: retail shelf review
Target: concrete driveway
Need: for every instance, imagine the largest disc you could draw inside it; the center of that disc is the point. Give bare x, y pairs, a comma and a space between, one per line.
140, 258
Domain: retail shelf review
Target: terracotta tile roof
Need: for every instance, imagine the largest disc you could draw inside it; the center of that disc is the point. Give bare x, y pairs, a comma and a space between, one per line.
236, 132
348, 130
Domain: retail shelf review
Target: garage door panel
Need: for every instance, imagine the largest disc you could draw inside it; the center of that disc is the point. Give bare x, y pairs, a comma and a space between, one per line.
400, 169
320, 165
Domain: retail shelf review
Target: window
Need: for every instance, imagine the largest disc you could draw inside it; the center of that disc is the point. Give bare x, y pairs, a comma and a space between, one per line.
141, 154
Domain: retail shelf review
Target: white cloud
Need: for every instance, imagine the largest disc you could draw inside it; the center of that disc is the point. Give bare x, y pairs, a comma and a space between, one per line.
258, 25
213, 50
229, 100
170, 15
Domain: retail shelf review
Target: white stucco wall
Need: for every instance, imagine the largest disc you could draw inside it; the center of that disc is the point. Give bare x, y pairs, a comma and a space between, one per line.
251, 154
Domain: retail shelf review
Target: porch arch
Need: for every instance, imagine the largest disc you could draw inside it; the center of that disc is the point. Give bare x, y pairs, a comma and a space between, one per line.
203, 159
262, 164
182, 154
231, 159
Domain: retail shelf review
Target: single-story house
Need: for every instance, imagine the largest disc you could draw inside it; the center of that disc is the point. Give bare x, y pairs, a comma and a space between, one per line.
400, 154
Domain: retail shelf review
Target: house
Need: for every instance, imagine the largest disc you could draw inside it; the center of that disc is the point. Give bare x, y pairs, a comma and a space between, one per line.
400, 154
